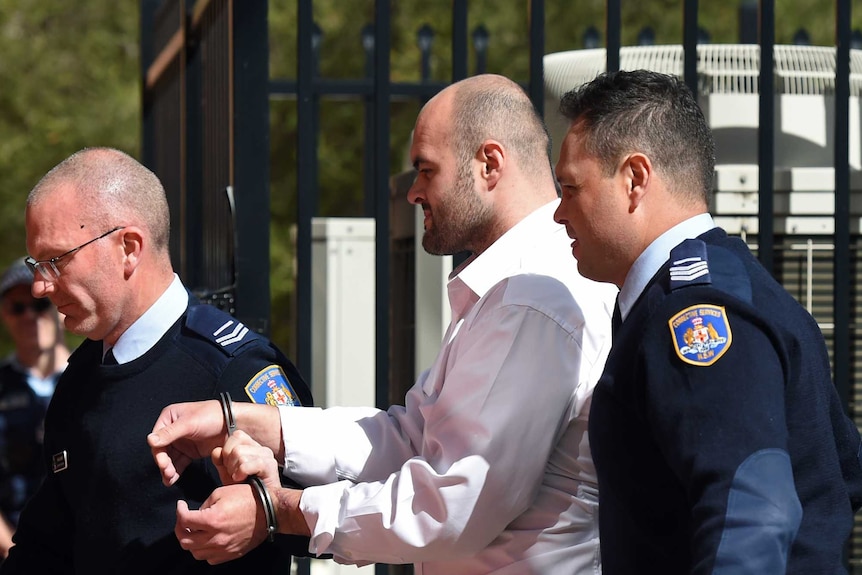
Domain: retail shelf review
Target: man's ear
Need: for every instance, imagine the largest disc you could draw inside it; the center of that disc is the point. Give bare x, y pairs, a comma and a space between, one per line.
492, 158
637, 170
133, 245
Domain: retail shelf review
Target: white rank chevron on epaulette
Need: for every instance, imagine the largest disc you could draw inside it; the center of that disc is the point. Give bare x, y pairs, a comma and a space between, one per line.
688, 269
689, 264
232, 336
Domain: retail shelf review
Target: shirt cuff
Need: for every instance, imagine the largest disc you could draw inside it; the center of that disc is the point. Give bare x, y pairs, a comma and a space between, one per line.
322, 521
307, 459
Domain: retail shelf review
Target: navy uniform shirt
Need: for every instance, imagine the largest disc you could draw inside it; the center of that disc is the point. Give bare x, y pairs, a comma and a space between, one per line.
718, 437
103, 507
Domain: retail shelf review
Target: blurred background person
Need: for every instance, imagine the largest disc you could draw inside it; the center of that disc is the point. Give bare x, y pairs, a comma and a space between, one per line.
27, 378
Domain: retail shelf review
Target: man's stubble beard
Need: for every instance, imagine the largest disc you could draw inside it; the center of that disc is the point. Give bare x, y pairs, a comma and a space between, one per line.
461, 222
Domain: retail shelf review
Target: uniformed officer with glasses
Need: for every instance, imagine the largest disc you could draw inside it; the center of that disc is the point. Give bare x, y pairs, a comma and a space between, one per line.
98, 230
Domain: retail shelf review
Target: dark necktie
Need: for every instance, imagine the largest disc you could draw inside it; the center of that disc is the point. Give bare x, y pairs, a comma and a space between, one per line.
616, 320
109, 358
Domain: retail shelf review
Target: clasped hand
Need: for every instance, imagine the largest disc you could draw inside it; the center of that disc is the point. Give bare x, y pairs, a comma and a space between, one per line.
231, 521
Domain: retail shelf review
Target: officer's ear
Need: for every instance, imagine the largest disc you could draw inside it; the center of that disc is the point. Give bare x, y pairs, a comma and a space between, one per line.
638, 172
133, 245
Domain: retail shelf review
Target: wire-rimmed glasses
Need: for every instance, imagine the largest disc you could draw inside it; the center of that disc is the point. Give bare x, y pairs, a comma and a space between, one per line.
48, 268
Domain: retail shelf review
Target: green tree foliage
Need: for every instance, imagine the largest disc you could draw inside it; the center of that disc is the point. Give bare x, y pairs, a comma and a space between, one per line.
69, 78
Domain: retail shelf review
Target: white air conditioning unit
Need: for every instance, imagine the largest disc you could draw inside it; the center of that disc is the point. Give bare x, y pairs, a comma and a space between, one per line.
728, 76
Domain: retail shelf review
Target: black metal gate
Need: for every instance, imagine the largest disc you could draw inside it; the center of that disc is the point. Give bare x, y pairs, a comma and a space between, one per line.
206, 135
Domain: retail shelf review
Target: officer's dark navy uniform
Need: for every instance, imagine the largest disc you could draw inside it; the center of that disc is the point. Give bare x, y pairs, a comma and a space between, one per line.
720, 442
22, 411
86, 518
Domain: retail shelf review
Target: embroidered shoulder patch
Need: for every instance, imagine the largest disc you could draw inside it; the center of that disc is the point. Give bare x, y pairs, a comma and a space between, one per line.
701, 334
271, 386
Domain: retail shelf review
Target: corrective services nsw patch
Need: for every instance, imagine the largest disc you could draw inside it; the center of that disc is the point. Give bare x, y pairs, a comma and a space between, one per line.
271, 386
701, 334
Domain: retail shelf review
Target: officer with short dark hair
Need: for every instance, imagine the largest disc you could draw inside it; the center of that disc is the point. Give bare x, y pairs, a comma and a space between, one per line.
97, 233
720, 443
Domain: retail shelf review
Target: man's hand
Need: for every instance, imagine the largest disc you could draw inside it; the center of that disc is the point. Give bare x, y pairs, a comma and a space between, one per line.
229, 524
185, 432
242, 456
188, 431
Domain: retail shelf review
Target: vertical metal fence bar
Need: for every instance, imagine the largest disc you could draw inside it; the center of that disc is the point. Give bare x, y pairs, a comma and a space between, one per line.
537, 52
220, 231
766, 137
459, 40
381, 196
459, 67
251, 160
382, 88
368, 179
689, 44
613, 32
748, 10
148, 129
306, 194
192, 224
314, 142
165, 111
841, 277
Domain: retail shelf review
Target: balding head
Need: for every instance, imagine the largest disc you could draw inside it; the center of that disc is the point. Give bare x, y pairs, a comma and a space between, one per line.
483, 160
114, 187
99, 221
494, 107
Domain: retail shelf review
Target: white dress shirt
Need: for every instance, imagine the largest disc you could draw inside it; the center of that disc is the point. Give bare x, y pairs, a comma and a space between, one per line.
148, 329
487, 467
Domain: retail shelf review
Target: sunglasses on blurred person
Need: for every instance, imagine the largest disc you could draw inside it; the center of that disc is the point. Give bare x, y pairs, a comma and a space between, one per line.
17, 308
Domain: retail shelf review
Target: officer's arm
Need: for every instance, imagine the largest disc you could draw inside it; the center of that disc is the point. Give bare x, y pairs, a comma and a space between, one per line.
721, 425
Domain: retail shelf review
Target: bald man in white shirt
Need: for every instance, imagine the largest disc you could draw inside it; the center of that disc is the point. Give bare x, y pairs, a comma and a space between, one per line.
487, 467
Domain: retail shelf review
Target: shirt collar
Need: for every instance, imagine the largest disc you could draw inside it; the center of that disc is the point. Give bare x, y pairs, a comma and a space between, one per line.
153, 324
472, 279
656, 254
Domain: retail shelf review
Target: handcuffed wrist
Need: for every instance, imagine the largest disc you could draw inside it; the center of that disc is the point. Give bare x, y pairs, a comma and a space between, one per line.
227, 412
253, 480
268, 507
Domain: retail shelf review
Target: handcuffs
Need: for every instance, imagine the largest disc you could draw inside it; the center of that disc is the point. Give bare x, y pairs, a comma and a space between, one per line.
253, 480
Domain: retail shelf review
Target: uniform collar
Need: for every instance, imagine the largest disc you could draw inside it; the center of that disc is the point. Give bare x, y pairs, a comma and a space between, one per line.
153, 324
656, 254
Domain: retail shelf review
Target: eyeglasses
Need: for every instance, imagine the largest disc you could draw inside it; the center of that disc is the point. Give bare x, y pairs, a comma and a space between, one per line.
48, 268
38, 306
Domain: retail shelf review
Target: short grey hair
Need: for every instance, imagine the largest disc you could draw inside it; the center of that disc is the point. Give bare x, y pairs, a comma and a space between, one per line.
116, 187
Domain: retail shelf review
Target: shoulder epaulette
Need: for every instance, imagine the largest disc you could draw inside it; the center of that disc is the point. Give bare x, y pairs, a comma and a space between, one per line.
223, 330
729, 274
689, 265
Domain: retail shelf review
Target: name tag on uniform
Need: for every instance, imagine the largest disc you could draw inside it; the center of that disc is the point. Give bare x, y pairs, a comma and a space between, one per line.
59, 462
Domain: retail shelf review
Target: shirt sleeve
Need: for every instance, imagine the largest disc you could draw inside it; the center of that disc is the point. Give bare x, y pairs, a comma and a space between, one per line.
723, 432
446, 473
